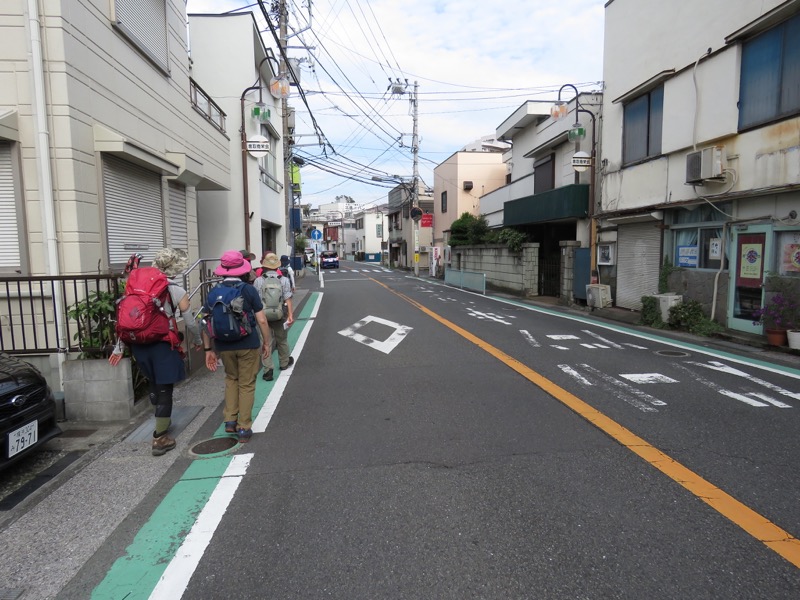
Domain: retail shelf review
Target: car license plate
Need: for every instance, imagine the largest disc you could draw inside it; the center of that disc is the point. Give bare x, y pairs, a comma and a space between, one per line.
22, 438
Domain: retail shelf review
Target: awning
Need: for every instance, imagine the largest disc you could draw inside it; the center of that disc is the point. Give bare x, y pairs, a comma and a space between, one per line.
564, 203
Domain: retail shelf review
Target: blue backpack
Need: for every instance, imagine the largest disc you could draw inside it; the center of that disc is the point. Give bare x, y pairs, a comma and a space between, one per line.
228, 321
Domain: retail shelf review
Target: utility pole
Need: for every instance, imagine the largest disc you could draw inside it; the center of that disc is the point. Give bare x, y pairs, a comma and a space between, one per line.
287, 146
415, 178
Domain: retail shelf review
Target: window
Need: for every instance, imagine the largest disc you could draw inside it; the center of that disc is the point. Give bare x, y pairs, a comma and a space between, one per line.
269, 163
544, 174
444, 202
770, 75
697, 238
641, 126
144, 23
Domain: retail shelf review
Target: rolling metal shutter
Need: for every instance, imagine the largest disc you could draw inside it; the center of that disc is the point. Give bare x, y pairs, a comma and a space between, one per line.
178, 226
638, 263
9, 224
145, 21
134, 210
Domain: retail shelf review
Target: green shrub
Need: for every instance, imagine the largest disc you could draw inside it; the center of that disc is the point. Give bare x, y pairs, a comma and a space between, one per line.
690, 317
651, 313
663, 275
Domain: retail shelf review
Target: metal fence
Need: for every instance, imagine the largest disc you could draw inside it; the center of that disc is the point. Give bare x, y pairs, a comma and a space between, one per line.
64, 313
550, 276
466, 279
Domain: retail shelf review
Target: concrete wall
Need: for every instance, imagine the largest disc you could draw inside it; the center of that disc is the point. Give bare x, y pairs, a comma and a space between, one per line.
508, 271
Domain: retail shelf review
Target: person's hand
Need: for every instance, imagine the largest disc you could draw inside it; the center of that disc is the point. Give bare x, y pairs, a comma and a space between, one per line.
114, 359
266, 349
290, 319
211, 360
198, 346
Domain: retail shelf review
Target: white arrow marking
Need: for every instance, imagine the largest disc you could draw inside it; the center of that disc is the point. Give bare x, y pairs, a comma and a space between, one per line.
721, 390
563, 337
491, 316
647, 378
723, 368
628, 388
602, 339
570, 371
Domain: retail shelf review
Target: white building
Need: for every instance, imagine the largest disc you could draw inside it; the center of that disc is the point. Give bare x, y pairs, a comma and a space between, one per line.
700, 150
370, 228
228, 53
103, 141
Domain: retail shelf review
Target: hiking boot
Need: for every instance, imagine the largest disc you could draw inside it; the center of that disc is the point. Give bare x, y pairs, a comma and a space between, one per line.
244, 435
162, 444
288, 364
231, 426
267, 376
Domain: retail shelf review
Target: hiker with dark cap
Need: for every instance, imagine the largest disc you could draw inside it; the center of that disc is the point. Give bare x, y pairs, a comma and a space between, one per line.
275, 292
234, 316
287, 270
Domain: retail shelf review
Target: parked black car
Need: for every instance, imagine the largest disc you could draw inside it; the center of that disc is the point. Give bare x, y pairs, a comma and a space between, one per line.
27, 410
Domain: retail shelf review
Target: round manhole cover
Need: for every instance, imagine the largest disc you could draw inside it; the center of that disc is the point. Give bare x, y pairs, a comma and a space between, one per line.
214, 446
672, 353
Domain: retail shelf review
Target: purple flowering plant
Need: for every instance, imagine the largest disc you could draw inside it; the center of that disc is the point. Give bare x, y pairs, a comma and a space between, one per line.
781, 312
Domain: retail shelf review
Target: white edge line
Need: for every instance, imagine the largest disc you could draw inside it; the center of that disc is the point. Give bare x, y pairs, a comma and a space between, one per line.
179, 571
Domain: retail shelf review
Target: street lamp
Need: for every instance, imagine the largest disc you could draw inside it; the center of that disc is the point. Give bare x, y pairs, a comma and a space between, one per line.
581, 161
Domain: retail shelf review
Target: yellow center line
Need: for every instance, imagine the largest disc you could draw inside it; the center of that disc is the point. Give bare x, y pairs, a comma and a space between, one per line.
758, 526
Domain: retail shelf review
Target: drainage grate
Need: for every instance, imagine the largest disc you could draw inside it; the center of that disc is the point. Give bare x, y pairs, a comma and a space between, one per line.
214, 446
672, 353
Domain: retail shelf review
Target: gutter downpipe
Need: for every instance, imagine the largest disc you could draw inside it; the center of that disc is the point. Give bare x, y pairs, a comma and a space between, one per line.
44, 174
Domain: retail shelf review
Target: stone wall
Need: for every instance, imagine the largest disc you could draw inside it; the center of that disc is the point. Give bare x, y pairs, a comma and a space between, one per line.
699, 285
507, 271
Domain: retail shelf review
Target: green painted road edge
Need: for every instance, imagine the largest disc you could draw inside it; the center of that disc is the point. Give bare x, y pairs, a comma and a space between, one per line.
135, 574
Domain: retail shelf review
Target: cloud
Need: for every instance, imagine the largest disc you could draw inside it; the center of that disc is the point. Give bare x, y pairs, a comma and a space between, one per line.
475, 61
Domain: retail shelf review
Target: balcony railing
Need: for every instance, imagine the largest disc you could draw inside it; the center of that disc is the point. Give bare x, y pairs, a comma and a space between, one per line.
203, 103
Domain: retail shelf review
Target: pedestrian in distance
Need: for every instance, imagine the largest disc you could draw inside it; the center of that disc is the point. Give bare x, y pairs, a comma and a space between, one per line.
147, 323
233, 316
275, 292
249, 257
287, 270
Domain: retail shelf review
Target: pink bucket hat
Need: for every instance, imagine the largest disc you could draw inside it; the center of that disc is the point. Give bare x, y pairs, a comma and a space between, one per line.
233, 264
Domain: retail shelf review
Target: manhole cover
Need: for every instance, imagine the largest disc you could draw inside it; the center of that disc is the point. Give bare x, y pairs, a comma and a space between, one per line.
672, 353
214, 446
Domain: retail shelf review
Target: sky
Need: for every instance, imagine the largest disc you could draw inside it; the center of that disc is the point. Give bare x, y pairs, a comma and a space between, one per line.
475, 63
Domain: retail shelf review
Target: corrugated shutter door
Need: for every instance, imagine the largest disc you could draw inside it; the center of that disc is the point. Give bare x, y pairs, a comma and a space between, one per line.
146, 21
9, 224
639, 253
178, 227
134, 210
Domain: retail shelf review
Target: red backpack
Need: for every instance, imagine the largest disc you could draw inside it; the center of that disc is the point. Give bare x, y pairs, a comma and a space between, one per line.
145, 314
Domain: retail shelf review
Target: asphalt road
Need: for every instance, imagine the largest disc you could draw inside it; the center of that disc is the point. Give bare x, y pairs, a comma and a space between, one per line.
431, 443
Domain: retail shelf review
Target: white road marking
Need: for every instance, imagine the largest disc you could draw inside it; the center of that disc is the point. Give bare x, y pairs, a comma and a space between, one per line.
723, 368
647, 378
175, 578
640, 398
490, 316
602, 339
636, 346
572, 372
563, 337
529, 338
385, 346
559, 347
772, 401
719, 389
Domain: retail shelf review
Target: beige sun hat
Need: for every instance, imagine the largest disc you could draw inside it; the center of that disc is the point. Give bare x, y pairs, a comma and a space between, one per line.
271, 261
171, 261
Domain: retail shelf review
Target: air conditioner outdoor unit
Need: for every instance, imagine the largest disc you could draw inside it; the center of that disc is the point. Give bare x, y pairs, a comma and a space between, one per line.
598, 295
706, 164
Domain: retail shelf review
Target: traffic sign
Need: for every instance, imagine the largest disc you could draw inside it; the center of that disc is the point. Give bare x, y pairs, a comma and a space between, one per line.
316, 234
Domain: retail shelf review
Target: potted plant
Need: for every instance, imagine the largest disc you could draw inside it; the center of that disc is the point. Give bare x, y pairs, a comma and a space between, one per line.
780, 314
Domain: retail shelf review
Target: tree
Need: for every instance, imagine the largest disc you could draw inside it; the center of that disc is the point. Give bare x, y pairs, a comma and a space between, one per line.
468, 230
345, 199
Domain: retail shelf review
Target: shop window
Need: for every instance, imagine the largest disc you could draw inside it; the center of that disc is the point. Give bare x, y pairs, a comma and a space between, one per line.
697, 238
770, 75
641, 126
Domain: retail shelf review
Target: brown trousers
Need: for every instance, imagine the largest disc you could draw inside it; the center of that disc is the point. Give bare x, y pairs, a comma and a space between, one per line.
241, 370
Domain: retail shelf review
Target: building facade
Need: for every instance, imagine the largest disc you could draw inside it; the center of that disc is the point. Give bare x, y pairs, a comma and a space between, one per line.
700, 151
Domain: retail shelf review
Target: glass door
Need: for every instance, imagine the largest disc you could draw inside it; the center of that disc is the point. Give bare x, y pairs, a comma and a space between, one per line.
751, 259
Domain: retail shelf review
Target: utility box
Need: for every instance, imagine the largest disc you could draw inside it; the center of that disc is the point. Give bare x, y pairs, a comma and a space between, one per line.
598, 295
667, 301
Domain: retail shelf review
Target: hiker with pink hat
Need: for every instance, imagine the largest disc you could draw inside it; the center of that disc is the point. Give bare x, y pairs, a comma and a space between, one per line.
233, 315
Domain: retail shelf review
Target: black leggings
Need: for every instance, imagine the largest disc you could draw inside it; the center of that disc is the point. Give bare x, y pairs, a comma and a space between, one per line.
161, 398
